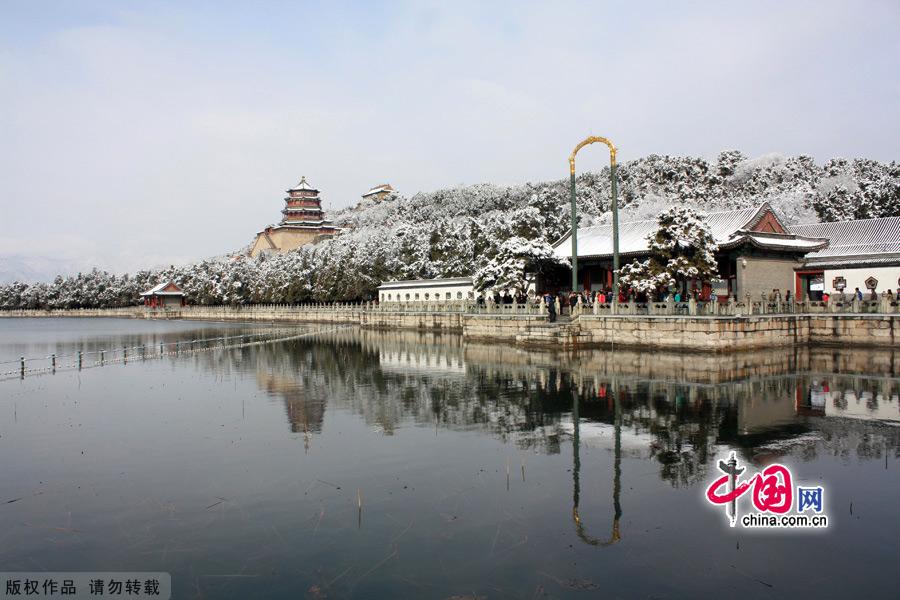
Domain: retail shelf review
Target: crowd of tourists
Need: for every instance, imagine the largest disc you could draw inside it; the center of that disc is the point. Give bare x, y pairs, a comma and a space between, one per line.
561, 302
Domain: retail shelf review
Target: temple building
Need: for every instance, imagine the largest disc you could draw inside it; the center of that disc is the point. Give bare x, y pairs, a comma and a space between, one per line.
378, 193
165, 295
303, 222
756, 253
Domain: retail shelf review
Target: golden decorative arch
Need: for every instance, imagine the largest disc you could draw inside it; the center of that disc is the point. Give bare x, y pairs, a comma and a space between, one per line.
592, 140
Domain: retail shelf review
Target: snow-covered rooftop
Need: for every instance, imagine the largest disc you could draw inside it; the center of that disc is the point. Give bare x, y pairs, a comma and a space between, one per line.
304, 224
303, 186
728, 228
597, 240
863, 240
775, 241
385, 187
158, 290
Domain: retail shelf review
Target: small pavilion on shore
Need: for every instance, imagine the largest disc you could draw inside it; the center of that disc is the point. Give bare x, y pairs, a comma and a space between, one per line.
164, 295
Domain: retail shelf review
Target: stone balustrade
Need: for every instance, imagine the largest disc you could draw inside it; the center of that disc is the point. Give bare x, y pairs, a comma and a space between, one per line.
682, 326
333, 310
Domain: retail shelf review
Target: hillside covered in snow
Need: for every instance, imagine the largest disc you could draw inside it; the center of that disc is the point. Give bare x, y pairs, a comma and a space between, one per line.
452, 232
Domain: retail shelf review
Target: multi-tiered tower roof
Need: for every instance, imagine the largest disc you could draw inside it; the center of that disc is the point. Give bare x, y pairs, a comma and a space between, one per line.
303, 207
302, 222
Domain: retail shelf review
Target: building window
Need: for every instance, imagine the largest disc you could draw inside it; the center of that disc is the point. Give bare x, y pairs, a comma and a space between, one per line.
407, 297
389, 298
448, 295
417, 295
382, 297
426, 295
471, 295
459, 295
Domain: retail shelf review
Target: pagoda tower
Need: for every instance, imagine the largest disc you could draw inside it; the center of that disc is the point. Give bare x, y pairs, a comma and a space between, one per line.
302, 222
303, 206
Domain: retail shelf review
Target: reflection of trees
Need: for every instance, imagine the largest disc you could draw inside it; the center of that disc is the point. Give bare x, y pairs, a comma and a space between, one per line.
397, 383
760, 404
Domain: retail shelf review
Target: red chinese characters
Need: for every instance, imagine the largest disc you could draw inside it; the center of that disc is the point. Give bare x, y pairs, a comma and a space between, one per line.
772, 490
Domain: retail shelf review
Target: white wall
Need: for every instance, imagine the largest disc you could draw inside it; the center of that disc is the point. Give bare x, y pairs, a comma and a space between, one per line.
436, 292
427, 292
856, 278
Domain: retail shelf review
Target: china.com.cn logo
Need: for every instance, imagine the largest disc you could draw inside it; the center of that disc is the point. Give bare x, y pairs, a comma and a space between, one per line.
773, 495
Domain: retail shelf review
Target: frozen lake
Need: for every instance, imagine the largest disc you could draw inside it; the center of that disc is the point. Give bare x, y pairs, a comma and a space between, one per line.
241, 470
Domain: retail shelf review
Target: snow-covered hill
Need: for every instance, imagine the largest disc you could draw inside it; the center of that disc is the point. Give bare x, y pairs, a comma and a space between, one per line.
452, 232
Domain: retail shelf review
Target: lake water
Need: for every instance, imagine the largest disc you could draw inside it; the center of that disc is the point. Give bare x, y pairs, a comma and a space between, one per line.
482, 471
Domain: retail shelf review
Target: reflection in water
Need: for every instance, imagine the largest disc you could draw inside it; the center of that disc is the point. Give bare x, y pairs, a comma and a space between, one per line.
617, 476
190, 464
680, 410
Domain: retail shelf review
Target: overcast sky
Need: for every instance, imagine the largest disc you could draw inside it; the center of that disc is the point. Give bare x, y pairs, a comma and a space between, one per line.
142, 133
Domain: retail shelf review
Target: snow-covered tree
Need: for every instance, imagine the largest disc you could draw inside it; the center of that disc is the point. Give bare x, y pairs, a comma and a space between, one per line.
515, 257
682, 248
458, 231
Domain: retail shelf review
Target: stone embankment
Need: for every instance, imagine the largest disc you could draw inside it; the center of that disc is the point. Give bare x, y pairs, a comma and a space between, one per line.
717, 334
720, 333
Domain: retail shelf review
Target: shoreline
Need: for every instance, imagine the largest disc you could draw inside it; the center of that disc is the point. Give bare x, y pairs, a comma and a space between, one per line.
696, 333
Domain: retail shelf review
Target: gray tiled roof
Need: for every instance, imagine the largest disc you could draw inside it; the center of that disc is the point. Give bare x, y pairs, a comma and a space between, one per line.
729, 228
157, 290
864, 238
851, 261
597, 240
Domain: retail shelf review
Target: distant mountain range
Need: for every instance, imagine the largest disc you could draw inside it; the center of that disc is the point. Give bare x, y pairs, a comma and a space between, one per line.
34, 269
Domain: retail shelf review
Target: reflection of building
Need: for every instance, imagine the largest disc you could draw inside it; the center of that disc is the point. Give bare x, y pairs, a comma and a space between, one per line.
420, 362
866, 249
678, 410
767, 406
756, 252
303, 222
862, 405
305, 411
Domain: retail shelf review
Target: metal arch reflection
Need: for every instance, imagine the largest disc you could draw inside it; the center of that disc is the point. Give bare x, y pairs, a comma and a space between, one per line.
617, 476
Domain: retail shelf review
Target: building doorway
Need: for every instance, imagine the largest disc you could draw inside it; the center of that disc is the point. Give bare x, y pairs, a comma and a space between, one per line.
810, 284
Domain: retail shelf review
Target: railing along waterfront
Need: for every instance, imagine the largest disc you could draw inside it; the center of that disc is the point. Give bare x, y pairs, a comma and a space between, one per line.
693, 308
81, 359
746, 307
733, 307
